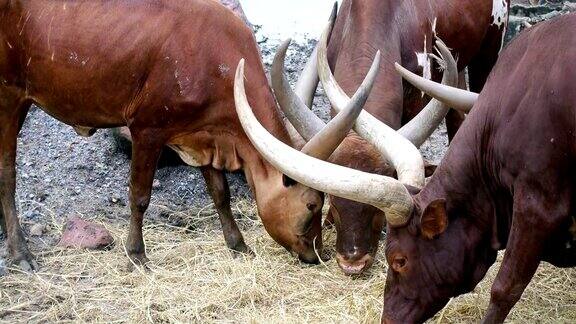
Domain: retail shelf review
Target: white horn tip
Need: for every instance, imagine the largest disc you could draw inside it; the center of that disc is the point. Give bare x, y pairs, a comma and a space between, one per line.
240, 68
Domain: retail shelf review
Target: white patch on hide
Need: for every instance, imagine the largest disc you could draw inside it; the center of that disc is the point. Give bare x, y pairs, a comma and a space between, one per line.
500, 17
434, 36
425, 62
499, 13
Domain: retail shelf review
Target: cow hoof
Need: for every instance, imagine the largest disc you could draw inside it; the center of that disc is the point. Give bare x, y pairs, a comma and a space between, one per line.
138, 260
241, 250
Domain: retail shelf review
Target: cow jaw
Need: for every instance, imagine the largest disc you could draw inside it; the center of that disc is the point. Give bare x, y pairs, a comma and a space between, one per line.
291, 212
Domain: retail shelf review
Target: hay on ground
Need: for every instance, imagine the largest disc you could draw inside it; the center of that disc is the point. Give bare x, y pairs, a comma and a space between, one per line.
194, 278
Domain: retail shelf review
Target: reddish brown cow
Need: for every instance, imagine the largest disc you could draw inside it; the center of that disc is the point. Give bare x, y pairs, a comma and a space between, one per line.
506, 182
162, 68
404, 31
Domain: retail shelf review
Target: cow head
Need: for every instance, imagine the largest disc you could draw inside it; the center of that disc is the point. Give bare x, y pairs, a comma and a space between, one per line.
357, 238
291, 214
359, 226
431, 259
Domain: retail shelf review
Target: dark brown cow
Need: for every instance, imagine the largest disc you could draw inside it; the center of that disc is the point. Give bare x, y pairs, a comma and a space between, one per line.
507, 182
164, 69
404, 31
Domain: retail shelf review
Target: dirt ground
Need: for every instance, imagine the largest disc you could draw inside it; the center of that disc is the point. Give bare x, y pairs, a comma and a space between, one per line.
193, 276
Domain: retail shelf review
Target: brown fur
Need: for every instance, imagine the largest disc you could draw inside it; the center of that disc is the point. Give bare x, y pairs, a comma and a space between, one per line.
507, 182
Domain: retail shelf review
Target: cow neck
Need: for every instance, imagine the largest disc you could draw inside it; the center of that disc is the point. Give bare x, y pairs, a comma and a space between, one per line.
260, 172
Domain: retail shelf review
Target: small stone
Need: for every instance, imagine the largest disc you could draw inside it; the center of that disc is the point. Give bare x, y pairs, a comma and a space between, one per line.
83, 234
2, 267
156, 184
31, 215
37, 229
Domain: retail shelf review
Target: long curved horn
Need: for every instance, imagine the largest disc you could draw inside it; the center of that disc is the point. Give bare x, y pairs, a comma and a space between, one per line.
302, 118
323, 144
308, 81
385, 193
427, 120
402, 154
458, 99
323, 139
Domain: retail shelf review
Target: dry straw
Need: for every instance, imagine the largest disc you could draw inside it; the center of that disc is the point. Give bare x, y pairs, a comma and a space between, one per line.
194, 278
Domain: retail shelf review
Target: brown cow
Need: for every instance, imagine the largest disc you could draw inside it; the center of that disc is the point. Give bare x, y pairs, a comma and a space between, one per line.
405, 32
162, 68
506, 182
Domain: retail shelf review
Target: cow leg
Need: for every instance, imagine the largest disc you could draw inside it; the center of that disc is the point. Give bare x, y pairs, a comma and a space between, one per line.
534, 219
13, 110
220, 192
146, 149
23, 111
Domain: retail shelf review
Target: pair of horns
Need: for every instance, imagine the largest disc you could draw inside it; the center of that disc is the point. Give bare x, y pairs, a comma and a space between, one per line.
321, 139
399, 147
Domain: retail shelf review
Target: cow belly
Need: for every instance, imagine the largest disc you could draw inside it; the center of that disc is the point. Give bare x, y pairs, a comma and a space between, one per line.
79, 115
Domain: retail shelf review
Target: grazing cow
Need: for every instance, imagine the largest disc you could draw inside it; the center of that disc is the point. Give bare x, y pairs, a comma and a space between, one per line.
506, 182
405, 32
162, 68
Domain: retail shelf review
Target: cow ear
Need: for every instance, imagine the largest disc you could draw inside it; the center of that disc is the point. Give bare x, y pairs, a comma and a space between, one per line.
434, 220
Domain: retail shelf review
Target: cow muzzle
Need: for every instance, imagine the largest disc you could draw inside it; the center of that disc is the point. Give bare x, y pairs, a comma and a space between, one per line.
355, 263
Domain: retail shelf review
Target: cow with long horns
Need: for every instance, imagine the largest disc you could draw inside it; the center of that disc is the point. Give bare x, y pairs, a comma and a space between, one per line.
162, 68
506, 182
404, 31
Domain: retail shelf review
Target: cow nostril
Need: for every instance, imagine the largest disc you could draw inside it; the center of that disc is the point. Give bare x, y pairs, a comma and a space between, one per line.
311, 206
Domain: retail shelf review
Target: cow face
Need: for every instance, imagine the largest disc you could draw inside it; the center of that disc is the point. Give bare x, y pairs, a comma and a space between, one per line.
431, 261
292, 214
358, 227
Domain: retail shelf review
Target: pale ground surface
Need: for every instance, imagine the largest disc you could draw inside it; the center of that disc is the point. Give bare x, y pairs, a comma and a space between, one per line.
193, 276
294, 18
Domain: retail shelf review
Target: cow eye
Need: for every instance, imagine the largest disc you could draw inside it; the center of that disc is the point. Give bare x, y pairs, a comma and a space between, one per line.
399, 263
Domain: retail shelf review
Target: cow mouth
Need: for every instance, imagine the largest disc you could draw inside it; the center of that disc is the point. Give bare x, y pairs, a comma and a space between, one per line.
355, 267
